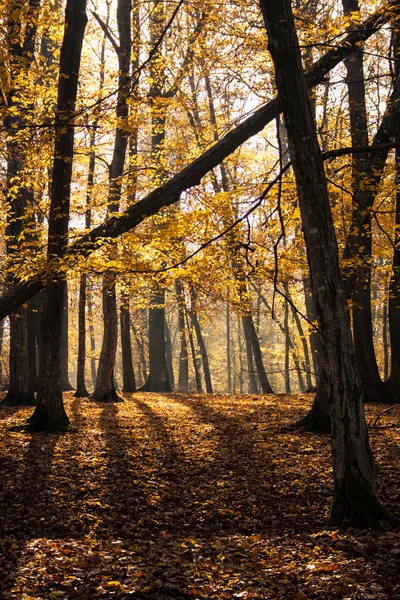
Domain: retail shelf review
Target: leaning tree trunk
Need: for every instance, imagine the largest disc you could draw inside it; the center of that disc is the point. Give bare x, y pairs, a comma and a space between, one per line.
200, 340
354, 500
50, 413
158, 379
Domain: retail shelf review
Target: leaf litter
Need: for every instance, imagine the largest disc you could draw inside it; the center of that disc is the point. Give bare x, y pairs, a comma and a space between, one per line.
175, 497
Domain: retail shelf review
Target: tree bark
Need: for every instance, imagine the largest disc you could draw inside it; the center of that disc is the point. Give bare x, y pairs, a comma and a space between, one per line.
183, 377
65, 384
50, 413
200, 340
105, 388
81, 391
354, 500
128, 374
105, 385
158, 379
168, 354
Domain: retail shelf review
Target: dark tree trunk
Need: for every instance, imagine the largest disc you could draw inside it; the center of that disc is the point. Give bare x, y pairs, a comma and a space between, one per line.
315, 340
81, 391
354, 500
20, 391
105, 386
287, 346
168, 354
65, 384
394, 287
20, 36
49, 413
32, 318
195, 360
385, 336
183, 377
158, 379
252, 387
200, 341
362, 318
252, 337
141, 350
92, 344
128, 374
228, 349
318, 419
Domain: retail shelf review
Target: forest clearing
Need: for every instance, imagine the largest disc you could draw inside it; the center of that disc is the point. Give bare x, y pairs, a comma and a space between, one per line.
181, 496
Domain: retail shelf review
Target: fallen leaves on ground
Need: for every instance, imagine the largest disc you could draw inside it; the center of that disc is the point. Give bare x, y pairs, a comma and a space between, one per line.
175, 497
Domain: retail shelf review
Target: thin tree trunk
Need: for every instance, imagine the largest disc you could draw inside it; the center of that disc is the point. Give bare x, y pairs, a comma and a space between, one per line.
228, 349
200, 341
92, 343
183, 377
65, 384
128, 374
385, 336
81, 391
142, 355
168, 354
195, 359
105, 388
287, 346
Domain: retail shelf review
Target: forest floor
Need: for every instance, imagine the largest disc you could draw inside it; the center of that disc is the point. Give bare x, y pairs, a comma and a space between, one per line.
177, 497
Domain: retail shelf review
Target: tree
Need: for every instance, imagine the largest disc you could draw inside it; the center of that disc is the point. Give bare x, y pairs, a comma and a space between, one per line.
50, 413
354, 500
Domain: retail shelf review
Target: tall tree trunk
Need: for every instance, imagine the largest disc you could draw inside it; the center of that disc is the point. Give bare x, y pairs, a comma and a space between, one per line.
141, 350
195, 359
81, 391
362, 317
183, 377
287, 344
228, 349
158, 379
168, 354
252, 387
92, 342
200, 341
354, 500
50, 413
20, 35
65, 384
105, 388
128, 374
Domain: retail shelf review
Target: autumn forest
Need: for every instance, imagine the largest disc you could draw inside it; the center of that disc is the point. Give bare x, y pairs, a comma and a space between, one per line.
200, 299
